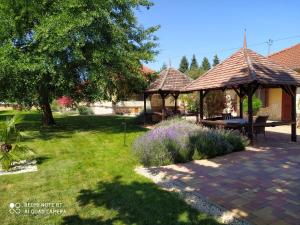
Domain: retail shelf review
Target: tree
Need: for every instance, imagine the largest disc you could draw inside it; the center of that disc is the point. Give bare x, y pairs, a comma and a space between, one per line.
205, 64
216, 60
194, 64
184, 65
195, 73
49, 48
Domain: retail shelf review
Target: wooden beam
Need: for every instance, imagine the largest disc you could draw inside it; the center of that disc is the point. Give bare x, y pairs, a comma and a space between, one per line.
175, 96
293, 90
250, 112
237, 92
163, 95
201, 104
145, 107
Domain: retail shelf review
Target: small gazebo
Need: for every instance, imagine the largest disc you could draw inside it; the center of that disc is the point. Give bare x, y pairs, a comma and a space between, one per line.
169, 82
244, 72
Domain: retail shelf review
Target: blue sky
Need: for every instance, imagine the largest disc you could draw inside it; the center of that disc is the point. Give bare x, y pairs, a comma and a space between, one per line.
206, 28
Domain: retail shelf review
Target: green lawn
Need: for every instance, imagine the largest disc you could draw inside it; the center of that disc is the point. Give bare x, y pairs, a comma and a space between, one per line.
84, 165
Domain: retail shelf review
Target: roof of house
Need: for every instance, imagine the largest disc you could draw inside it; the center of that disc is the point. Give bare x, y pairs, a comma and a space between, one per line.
243, 67
147, 70
289, 57
169, 80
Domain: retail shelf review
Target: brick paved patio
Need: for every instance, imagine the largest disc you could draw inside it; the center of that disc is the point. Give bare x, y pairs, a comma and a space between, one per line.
261, 184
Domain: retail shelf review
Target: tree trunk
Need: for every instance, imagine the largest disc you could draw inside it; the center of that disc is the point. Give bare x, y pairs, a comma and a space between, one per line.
47, 117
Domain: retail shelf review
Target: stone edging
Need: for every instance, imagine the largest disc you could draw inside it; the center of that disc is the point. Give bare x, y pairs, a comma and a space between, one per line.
21, 167
192, 198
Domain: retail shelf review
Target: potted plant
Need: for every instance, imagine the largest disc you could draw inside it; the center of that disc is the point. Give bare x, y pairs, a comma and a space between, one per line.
10, 153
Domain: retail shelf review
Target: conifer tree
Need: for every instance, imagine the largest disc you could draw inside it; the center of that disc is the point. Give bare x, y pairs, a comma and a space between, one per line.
205, 64
194, 64
216, 60
184, 64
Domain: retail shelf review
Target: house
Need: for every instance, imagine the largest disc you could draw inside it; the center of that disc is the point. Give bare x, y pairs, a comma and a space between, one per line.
277, 103
132, 105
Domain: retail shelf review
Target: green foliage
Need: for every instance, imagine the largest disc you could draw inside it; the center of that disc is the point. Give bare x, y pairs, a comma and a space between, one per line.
205, 64
51, 48
80, 161
12, 153
256, 104
209, 143
175, 141
194, 64
84, 110
54, 106
216, 60
191, 101
195, 73
184, 64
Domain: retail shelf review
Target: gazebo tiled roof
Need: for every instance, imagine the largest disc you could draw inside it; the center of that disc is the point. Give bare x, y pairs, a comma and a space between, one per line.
169, 80
242, 68
289, 57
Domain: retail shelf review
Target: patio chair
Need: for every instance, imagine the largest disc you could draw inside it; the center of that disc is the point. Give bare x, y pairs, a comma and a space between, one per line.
260, 125
226, 116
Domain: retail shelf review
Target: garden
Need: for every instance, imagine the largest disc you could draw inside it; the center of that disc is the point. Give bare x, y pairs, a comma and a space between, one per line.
179, 141
84, 164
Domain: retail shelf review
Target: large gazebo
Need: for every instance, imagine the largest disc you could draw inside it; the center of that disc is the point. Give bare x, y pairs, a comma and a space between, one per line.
244, 72
169, 82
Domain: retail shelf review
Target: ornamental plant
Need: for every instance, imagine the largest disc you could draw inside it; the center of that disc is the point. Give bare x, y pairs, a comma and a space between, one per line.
9, 152
65, 101
179, 141
167, 143
256, 105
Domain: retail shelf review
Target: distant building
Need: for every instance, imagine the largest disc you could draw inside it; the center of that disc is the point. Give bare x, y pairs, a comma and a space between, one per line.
276, 101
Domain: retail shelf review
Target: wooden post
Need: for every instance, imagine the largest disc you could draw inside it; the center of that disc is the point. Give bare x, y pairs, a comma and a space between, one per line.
293, 115
162, 95
241, 97
175, 98
201, 104
145, 107
250, 113
241, 108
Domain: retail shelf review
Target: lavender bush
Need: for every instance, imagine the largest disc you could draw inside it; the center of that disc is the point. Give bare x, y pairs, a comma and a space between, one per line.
166, 143
178, 141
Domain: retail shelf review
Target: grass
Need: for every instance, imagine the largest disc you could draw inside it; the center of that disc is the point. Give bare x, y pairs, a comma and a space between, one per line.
84, 165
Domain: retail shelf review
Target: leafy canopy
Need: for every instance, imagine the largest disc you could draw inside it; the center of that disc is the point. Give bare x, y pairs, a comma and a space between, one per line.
50, 47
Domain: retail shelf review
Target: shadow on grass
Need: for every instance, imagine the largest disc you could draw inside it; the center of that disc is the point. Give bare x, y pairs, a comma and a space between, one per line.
41, 159
136, 203
66, 126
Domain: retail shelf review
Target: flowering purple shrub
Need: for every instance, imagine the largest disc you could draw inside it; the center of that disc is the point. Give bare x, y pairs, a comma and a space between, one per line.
178, 141
209, 143
165, 144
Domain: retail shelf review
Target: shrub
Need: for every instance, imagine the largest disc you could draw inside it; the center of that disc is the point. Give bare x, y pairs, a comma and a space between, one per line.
238, 141
178, 141
54, 106
208, 143
165, 144
83, 110
256, 104
9, 152
65, 101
